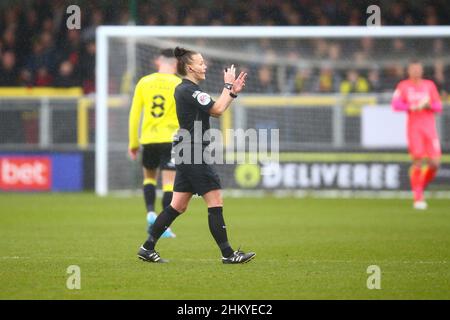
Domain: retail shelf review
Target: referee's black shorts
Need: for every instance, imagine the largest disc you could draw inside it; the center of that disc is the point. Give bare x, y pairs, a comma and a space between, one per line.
158, 155
196, 178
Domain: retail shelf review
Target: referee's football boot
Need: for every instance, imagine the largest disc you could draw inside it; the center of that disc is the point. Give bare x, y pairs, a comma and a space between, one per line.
239, 257
150, 256
151, 218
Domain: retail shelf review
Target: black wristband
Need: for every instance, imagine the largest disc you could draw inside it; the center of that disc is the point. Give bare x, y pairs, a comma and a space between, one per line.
228, 86
233, 95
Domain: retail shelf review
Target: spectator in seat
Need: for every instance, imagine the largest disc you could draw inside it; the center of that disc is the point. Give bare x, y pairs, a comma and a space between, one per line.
8, 70
354, 83
374, 80
265, 83
43, 78
88, 67
25, 78
9, 40
39, 58
301, 82
328, 81
72, 47
441, 80
65, 77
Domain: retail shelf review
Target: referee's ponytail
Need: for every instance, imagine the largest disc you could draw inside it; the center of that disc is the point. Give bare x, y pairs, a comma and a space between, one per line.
183, 58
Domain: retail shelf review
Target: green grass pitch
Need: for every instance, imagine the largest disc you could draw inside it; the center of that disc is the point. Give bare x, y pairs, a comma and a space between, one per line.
306, 249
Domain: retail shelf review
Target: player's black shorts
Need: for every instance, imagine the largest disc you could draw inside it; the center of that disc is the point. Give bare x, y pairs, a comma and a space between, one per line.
196, 178
156, 155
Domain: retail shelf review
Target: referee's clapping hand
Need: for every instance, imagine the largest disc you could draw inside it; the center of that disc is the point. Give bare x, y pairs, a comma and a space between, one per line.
229, 76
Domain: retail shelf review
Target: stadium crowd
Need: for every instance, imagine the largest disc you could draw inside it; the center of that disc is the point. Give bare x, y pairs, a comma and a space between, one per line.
37, 49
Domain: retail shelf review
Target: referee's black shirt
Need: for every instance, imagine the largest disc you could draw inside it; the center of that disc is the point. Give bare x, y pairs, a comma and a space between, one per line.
193, 105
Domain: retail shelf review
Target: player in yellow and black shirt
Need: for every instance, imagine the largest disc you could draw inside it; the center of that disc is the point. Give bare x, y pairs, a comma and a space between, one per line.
154, 98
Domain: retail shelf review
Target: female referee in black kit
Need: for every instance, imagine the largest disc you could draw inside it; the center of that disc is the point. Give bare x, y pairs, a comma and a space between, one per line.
197, 178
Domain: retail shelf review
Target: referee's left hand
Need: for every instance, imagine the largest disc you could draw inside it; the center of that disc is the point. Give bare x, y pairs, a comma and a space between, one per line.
239, 83
133, 153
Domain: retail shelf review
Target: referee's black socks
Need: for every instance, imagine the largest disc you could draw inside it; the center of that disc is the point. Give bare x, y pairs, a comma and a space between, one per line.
218, 230
162, 222
166, 198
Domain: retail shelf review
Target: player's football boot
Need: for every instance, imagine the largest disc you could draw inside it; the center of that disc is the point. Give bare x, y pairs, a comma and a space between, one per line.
150, 256
151, 218
239, 257
420, 205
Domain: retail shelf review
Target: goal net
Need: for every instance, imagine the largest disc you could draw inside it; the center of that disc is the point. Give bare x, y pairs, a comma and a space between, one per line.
319, 86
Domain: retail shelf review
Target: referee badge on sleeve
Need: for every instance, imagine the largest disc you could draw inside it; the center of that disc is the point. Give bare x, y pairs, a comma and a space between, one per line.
203, 98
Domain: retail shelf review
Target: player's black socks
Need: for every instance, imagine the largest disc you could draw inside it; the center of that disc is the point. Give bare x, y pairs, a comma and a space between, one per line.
167, 198
219, 231
162, 222
149, 196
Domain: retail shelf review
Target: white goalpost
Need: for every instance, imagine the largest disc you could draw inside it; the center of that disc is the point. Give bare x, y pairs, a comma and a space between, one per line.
124, 51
